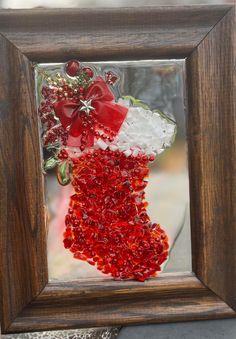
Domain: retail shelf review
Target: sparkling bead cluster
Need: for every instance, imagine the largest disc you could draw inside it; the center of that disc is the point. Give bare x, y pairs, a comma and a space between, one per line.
111, 78
59, 88
107, 224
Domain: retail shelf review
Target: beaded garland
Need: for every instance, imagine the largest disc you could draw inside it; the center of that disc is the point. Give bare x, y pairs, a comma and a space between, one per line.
103, 148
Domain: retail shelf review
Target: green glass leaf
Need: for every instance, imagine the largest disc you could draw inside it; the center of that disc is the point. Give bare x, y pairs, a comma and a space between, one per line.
63, 173
50, 163
135, 102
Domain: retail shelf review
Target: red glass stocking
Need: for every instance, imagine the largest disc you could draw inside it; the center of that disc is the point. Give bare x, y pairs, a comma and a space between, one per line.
107, 224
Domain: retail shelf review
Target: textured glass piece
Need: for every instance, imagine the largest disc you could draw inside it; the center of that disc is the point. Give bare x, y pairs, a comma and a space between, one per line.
159, 84
92, 333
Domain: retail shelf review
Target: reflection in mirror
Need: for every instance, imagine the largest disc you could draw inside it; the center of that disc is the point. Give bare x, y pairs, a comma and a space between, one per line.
158, 84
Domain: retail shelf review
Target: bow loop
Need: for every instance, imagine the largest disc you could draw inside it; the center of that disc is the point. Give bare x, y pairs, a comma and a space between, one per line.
106, 112
99, 91
66, 111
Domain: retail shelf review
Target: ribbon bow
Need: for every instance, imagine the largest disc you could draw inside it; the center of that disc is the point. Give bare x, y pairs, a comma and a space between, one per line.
105, 111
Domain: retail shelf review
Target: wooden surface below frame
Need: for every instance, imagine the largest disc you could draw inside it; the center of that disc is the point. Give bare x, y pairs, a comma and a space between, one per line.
204, 35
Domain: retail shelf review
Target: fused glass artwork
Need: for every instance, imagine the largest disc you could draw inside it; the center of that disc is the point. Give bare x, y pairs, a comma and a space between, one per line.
102, 141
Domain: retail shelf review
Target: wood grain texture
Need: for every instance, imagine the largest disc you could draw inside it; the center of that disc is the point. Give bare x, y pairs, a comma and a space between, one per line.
166, 286
211, 71
203, 34
108, 34
22, 234
167, 299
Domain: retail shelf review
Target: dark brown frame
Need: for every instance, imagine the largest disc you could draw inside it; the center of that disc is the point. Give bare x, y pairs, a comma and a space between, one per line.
204, 35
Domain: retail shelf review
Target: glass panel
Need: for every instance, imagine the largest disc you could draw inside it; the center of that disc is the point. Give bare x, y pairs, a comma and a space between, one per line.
152, 95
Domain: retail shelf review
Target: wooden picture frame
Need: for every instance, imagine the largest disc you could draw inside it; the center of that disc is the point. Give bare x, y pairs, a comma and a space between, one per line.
205, 36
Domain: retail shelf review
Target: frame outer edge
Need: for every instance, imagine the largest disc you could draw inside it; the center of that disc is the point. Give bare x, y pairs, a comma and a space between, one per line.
212, 154
45, 35
22, 235
40, 263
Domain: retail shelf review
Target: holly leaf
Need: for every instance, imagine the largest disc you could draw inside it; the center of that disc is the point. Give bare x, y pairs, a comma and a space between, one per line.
63, 173
135, 102
50, 163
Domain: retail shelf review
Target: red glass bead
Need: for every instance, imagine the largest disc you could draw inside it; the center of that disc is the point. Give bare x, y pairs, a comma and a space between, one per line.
152, 157
63, 154
88, 71
72, 68
111, 78
67, 242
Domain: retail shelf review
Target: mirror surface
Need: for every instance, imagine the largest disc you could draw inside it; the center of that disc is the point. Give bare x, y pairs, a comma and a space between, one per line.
159, 84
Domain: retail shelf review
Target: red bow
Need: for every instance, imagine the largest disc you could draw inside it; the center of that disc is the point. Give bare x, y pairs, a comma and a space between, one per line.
106, 112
